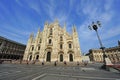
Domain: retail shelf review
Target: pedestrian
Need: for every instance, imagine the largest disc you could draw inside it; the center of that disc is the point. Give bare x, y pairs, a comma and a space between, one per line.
27, 62
20, 61
42, 63
65, 63
33, 62
77, 63
55, 63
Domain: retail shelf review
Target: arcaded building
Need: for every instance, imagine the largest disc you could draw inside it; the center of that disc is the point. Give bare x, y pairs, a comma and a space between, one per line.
53, 44
113, 53
10, 49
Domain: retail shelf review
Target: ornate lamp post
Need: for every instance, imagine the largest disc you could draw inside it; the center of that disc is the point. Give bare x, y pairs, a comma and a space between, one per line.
95, 27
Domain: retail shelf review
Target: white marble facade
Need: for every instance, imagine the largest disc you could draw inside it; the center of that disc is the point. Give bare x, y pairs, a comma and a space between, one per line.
53, 44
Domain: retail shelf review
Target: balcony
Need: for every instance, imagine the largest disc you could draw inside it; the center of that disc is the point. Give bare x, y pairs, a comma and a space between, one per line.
70, 49
50, 45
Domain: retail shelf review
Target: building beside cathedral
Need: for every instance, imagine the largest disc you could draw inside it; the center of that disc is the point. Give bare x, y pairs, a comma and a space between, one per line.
113, 53
10, 49
53, 44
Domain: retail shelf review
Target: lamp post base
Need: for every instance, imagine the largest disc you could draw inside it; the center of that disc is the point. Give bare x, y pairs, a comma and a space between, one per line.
103, 66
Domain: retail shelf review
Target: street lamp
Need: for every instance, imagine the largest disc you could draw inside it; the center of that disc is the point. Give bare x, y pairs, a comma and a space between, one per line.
95, 27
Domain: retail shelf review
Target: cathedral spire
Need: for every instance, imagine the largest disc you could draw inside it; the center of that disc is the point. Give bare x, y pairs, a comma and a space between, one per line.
38, 33
56, 21
65, 26
39, 30
46, 23
32, 35
74, 28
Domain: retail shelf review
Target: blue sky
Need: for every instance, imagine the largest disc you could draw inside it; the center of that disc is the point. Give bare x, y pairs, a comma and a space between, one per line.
18, 18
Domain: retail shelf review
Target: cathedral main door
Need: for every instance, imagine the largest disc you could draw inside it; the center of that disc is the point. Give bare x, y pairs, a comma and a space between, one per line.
48, 59
30, 58
61, 58
70, 57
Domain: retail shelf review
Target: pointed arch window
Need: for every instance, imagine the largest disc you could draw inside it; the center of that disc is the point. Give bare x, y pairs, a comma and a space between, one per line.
30, 57
70, 45
61, 46
50, 41
37, 57
40, 40
61, 38
32, 48
50, 31
38, 47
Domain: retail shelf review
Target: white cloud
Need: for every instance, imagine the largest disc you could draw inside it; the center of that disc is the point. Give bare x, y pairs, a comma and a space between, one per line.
108, 4
94, 11
106, 17
35, 6
88, 10
84, 32
111, 32
15, 30
19, 3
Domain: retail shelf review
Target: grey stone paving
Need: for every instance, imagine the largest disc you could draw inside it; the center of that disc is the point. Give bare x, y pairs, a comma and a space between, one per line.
39, 72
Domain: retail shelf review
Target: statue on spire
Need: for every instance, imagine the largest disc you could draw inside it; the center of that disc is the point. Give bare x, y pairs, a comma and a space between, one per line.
32, 35
56, 21
38, 33
65, 26
39, 30
46, 23
74, 28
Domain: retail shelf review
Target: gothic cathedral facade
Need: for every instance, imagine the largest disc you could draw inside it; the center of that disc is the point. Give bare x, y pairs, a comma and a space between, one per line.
53, 44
